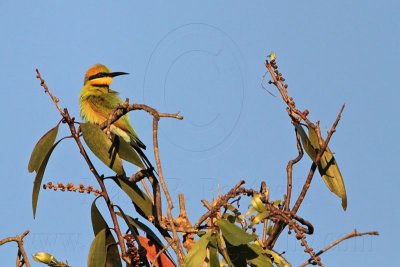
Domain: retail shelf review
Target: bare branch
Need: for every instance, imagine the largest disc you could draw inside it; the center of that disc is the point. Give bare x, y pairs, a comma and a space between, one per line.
154, 262
352, 234
221, 201
122, 109
177, 244
289, 170
21, 249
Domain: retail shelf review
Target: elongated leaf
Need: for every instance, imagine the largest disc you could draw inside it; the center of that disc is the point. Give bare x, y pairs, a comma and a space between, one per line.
99, 224
39, 177
331, 175
138, 224
101, 146
308, 147
250, 211
262, 259
252, 254
239, 254
233, 233
97, 252
140, 200
329, 170
327, 167
41, 149
257, 203
258, 218
213, 248
198, 253
126, 151
223, 250
278, 259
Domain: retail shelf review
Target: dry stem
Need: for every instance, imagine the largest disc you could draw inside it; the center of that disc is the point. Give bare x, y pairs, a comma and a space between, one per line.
352, 234
21, 249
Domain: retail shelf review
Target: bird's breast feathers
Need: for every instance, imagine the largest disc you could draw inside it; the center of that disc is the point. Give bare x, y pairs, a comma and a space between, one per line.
97, 104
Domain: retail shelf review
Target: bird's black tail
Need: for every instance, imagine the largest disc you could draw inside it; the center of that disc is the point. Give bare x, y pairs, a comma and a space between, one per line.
143, 157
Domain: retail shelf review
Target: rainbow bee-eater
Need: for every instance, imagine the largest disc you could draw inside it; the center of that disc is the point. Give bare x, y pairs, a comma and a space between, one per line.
97, 102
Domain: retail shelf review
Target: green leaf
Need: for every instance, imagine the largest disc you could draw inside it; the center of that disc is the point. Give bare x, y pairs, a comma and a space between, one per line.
39, 177
257, 203
239, 254
278, 259
250, 211
308, 147
230, 217
248, 254
140, 200
99, 224
126, 151
233, 233
198, 253
262, 259
213, 248
41, 149
97, 252
101, 146
223, 250
327, 166
138, 224
258, 218
332, 177
329, 170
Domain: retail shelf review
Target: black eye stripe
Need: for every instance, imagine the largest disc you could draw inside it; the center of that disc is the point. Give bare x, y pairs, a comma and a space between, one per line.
99, 75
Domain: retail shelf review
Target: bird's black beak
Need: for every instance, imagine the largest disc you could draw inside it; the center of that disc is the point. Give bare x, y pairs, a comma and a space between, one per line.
113, 74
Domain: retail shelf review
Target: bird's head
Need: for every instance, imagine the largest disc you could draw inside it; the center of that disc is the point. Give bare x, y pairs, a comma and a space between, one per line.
100, 75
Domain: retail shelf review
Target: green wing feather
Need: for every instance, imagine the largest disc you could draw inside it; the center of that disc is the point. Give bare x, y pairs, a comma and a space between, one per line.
98, 103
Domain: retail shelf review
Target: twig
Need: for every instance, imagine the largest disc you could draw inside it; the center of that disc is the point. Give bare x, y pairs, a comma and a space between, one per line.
182, 208
154, 262
123, 109
289, 170
265, 230
46, 89
263, 87
206, 204
183, 220
21, 249
221, 201
142, 173
354, 233
177, 246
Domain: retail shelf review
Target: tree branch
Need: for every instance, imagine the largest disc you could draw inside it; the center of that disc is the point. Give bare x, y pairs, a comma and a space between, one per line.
21, 249
354, 233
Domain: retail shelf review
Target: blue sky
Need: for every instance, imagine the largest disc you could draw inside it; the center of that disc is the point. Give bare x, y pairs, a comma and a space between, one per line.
206, 61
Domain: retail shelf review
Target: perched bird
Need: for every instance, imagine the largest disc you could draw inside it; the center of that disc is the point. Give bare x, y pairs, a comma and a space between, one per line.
97, 102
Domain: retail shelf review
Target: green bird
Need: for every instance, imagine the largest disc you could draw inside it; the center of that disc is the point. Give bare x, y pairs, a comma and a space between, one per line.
97, 102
